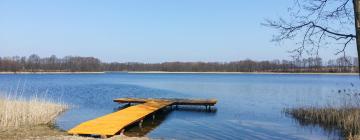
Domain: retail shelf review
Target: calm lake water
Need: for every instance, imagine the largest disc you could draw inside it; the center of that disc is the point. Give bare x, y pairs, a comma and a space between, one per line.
249, 105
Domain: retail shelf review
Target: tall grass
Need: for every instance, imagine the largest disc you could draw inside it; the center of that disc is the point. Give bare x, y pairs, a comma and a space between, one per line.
347, 120
18, 112
344, 117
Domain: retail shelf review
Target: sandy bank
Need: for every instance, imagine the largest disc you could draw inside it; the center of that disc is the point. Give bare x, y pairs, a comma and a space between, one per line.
45, 132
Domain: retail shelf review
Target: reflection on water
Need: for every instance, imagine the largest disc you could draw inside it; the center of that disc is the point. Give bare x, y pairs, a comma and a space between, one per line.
249, 106
148, 125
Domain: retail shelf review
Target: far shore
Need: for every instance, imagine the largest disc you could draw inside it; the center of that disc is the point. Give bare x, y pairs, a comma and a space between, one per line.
100, 72
166, 72
310, 73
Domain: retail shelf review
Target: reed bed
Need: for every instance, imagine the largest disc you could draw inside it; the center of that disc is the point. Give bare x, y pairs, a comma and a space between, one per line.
18, 112
347, 120
344, 117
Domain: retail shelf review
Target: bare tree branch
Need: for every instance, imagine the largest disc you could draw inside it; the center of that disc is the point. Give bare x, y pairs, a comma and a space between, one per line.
316, 24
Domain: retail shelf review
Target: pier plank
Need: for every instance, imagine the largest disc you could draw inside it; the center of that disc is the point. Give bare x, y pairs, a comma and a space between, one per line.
113, 123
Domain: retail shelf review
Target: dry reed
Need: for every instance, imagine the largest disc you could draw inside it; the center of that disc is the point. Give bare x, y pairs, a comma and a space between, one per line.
17, 112
344, 117
347, 120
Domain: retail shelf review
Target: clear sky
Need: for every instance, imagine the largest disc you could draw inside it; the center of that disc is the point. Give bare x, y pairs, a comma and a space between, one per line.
143, 30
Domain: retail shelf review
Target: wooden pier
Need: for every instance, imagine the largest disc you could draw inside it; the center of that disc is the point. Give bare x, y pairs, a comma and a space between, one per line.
115, 123
176, 101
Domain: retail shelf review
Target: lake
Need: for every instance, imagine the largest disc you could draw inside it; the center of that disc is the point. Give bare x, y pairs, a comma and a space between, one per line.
249, 105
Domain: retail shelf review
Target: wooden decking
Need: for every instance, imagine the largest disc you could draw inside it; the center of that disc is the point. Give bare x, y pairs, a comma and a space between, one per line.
114, 123
176, 101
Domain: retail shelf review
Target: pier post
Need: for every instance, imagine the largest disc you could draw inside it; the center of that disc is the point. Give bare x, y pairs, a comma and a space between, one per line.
140, 123
122, 132
153, 116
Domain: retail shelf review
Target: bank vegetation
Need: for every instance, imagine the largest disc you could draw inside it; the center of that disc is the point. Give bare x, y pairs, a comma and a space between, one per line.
343, 117
19, 112
35, 63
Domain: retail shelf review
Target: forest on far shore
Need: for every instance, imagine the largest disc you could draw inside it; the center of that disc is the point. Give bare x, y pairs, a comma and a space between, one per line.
34, 63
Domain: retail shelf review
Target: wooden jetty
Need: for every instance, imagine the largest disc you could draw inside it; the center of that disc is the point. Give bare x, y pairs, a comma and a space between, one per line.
115, 123
176, 101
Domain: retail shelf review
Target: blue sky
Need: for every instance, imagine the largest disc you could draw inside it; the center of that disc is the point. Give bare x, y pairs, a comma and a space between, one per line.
143, 30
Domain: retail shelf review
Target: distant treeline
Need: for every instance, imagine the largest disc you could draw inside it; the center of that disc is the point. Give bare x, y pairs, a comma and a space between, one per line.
34, 63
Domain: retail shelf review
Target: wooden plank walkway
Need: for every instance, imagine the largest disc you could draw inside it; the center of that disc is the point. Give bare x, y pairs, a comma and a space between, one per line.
176, 101
114, 123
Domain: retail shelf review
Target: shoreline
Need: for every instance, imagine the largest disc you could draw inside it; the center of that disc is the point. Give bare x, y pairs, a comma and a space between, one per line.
280, 73
166, 72
101, 72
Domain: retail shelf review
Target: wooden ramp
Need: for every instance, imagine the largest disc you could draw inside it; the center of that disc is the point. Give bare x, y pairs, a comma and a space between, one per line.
114, 123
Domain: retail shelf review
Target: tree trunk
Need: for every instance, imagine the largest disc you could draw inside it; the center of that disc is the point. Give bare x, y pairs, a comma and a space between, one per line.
357, 29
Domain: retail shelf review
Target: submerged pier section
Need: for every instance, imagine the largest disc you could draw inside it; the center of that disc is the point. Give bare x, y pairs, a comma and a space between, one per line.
115, 123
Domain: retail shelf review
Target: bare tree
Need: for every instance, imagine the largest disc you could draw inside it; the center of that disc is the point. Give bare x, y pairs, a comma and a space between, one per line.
319, 23
35, 63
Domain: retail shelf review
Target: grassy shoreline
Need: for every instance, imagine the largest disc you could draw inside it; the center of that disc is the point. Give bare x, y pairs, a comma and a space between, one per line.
22, 118
18, 112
